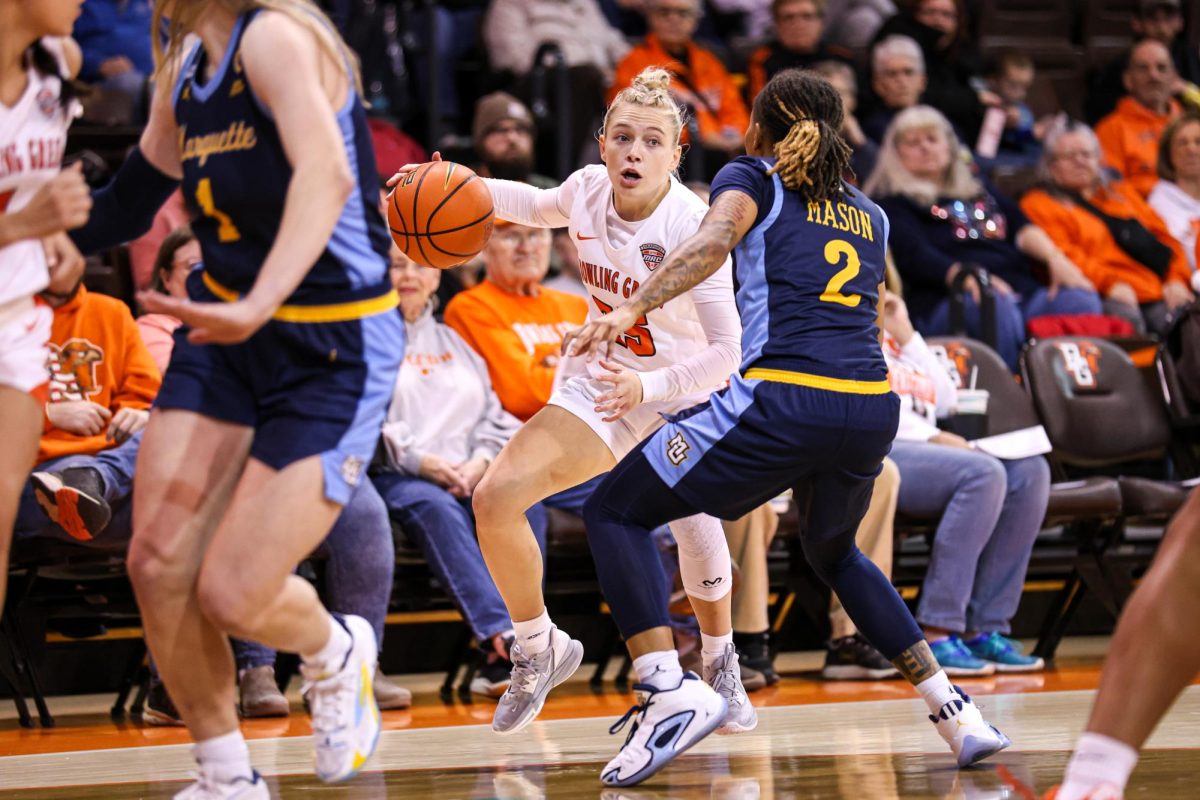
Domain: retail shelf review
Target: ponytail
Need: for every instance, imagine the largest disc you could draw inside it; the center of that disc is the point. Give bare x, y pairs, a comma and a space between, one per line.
802, 114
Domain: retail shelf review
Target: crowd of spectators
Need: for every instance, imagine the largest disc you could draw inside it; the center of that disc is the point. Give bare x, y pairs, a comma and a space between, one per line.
1108, 228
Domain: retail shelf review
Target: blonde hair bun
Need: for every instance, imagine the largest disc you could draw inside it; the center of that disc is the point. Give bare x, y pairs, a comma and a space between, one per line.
653, 79
650, 89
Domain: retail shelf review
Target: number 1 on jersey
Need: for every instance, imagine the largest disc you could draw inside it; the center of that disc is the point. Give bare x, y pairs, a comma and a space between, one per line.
834, 250
226, 230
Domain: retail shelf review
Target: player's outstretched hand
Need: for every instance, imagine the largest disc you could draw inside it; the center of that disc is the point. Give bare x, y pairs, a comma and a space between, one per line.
210, 323
407, 168
624, 394
596, 336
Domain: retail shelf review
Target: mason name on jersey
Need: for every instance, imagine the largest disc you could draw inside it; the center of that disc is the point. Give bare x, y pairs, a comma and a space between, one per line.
842, 217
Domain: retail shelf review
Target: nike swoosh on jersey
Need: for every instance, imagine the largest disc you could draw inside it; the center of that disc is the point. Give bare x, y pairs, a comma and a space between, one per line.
583, 238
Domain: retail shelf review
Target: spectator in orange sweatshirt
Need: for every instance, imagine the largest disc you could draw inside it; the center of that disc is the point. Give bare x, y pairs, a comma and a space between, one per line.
1129, 136
1143, 284
699, 79
514, 322
102, 382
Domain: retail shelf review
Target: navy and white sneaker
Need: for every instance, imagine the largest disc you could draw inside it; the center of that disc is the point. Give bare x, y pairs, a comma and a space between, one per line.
970, 736
666, 722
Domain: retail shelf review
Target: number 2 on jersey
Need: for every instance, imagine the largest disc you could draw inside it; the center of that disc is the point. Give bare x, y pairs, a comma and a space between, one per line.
226, 230
638, 338
834, 251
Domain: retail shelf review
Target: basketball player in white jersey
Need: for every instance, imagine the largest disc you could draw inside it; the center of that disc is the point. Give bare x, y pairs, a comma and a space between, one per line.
624, 216
38, 203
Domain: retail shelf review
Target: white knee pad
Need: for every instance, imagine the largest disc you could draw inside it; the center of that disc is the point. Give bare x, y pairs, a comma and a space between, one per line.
704, 562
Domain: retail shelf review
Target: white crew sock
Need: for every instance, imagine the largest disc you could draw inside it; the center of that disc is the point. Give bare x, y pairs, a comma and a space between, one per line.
225, 757
659, 669
713, 647
332, 655
1098, 760
937, 691
534, 634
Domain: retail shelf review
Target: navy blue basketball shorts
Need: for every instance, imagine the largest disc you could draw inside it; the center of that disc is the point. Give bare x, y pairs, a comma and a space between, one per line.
758, 438
306, 388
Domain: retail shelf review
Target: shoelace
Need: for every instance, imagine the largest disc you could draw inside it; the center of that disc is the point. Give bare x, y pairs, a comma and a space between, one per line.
1001, 644
951, 708
726, 684
524, 676
327, 715
646, 694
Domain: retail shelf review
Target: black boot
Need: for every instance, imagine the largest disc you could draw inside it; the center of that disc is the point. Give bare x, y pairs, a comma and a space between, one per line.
754, 652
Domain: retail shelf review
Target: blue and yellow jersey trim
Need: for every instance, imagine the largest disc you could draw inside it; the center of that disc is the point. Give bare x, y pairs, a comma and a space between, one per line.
334, 312
843, 385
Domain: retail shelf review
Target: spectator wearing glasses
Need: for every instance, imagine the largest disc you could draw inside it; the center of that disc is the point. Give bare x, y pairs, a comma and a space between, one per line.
503, 134
798, 42
897, 81
513, 321
1162, 21
1129, 135
1142, 279
699, 82
952, 65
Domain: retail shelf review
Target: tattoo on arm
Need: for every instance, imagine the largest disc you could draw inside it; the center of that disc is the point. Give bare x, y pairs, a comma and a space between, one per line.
700, 256
917, 663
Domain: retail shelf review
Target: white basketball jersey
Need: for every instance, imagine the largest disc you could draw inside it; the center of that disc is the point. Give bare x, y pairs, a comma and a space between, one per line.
666, 335
33, 136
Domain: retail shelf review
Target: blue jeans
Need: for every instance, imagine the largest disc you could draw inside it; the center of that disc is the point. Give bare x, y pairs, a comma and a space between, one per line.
991, 511
1012, 312
443, 526
115, 466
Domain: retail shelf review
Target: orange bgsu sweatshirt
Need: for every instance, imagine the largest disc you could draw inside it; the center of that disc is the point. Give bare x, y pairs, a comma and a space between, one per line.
516, 335
96, 354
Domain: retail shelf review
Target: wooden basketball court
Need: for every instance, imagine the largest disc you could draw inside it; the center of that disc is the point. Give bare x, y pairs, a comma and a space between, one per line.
860, 741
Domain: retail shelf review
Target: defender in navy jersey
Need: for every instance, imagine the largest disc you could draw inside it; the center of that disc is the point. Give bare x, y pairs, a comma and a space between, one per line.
280, 376
811, 409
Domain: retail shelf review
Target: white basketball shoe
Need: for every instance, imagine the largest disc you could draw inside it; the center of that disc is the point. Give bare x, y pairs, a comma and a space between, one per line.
666, 722
970, 736
345, 716
208, 787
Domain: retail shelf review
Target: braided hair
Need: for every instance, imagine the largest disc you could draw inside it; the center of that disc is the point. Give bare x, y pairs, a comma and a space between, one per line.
47, 64
802, 114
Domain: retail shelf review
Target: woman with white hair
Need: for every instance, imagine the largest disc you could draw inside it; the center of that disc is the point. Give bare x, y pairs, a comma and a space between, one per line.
945, 217
1123, 247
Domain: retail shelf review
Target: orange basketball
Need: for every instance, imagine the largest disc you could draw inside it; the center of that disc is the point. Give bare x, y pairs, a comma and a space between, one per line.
441, 214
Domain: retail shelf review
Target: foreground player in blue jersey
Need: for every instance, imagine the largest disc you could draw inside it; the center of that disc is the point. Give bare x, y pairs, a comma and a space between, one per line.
811, 410
280, 376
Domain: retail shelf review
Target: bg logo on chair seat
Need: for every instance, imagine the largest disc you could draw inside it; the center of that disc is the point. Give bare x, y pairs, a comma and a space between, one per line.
1082, 362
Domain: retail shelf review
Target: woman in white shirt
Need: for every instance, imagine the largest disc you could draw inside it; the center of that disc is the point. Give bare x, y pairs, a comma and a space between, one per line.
990, 510
1176, 197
